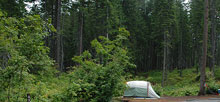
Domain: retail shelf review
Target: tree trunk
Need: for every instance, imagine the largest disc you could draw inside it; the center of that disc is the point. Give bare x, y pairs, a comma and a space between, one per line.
58, 35
181, 55
107, 17
81, 33
164, 60
213, 34
61, 45
51, 40
205, 37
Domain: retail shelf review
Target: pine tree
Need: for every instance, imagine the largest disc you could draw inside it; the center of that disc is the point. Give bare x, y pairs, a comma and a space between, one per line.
163, 18
136, 25
205, 38
182, 47
196, 19
213, 34
13, 8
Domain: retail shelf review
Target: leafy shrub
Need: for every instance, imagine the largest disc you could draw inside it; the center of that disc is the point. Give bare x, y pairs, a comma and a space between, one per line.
212, 85
154, 76
217, 75
158, 89
179, 91
99, 77
175, 85
23, 53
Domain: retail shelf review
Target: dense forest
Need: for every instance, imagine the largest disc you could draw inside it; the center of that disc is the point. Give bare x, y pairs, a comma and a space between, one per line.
85, 50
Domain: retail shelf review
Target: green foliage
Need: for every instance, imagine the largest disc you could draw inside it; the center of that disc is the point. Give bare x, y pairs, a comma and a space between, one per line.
99, 72
212, 83
13, 8
187, 85
23, 52
135, 22
154, 76
197, 23
99, 77
212, 87
217, 75
172, 90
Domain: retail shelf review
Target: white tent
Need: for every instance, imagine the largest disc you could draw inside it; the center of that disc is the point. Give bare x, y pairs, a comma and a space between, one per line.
140, 89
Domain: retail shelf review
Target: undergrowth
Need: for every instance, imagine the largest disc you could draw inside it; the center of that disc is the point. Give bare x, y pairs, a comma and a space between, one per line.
52, 88
176, 85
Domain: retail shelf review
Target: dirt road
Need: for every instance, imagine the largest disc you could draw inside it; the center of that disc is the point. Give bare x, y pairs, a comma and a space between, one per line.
213, 98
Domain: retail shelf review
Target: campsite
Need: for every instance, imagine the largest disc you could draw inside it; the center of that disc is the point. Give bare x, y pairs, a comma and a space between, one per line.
183, 90
109, 50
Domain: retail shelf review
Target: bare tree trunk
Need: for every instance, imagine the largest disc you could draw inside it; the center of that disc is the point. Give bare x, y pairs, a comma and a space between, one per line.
164, 60
213, 34
181, 55
58, 18
61, 54
58, 35
107, 16
51, 41
81, 33
205, 37
61, 45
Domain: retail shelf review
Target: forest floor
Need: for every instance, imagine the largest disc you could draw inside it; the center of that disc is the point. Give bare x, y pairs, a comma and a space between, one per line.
178, 89
208, 98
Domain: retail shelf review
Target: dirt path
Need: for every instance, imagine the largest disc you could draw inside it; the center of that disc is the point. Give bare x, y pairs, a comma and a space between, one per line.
212, 98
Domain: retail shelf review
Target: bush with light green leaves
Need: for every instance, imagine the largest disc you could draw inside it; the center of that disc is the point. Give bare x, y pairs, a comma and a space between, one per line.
100, 73
22, 53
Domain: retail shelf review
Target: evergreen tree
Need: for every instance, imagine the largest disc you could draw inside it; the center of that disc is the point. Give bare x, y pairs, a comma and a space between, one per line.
163, 19
213, 35
134, 22
196, 19
182, 45
13, 8
204, 57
